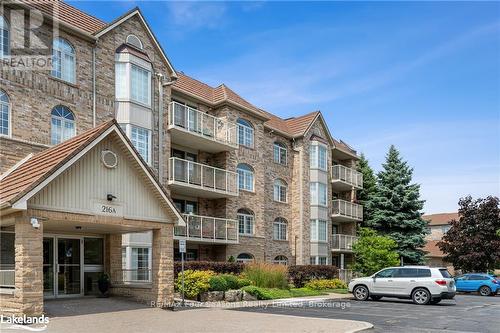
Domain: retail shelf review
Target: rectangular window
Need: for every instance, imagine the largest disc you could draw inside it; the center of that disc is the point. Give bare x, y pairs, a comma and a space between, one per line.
140, 85
318, 155
322, 260
121, 80
140, 264
141, 139
245, 224
4, 118
245, 135
319, 194
280, 154
245, 180
319, 230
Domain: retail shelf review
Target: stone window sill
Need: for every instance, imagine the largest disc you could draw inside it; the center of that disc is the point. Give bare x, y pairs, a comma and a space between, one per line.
7, 291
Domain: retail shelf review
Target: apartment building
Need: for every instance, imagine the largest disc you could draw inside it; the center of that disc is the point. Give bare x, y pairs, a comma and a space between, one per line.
245, 183
438, 225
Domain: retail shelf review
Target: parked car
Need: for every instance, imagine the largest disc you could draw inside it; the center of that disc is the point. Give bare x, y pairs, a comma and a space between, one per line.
485, 284
422, 284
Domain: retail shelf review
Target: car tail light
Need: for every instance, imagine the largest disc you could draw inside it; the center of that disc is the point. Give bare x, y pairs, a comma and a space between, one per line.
441, 282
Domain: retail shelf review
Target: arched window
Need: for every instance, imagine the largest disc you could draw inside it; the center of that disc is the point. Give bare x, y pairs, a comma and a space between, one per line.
246, 221
4, 113
245, 257
280, 153
245, 133
63, 124
280, 229
63, 60
282, 260
134, 41
245, 177
280, 190
4, 37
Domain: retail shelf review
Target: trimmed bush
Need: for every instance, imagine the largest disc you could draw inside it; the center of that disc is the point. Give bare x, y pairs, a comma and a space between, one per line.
326, 284
195, 282
267, 275
260, 293
218, 283
231, 280
301, 274
214, 266
275, 293
243, 282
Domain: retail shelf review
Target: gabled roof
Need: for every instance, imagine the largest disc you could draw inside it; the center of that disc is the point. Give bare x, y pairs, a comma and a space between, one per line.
441, 218
299, 125
37, 172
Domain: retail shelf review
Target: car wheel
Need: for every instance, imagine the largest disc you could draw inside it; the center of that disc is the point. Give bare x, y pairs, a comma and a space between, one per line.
435, 300
485, 291
361, 293
421, 296
376, 298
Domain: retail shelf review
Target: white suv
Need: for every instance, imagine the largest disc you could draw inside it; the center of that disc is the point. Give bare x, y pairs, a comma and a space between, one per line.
420, 283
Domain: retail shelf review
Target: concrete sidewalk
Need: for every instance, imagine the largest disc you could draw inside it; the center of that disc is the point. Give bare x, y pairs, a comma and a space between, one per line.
117, 315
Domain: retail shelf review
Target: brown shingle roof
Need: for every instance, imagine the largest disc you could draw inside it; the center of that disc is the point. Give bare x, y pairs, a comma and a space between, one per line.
432, 249
440, 219
68, 14
39, 167
299, 125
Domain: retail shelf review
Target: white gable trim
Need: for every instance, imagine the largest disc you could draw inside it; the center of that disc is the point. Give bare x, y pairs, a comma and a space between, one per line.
22, 202
130, 15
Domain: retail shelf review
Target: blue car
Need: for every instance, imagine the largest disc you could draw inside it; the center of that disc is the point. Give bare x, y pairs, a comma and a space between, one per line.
485, 284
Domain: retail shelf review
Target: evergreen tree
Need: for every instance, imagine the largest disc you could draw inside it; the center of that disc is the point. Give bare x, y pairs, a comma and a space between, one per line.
472, 243
396, 208
369, 187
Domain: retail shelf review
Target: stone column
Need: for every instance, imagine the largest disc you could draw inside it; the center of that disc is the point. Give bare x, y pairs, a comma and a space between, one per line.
29, 266
114, 248
163, 266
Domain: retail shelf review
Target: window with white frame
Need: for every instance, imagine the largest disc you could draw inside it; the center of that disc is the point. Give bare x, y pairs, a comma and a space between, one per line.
319, 194
246, 221
245, 133
319, 230
134, 41
4, 37
280, 190
4, 113
318, 155
62, 124
280, 229
245, 258
140, 263
280, 153
140, 85
245, 177
280, 260
140, 138
63, 60
318, 260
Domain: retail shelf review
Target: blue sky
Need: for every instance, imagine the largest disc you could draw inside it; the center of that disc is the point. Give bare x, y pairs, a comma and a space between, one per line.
422, 76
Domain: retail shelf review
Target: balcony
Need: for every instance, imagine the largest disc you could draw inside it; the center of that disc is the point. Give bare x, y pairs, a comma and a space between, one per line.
342, 243
345, 211
201, 180
206, 229
345, 179
192, 128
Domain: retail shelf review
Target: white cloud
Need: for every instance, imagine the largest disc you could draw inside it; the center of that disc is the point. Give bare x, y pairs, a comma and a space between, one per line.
195, 15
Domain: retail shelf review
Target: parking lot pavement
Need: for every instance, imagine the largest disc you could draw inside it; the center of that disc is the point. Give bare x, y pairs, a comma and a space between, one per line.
466, 313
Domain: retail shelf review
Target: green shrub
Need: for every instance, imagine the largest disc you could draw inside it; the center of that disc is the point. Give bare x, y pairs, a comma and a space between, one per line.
326, 284
275, 293
218, 283
231, 280
267, 275
195, 282
243, 282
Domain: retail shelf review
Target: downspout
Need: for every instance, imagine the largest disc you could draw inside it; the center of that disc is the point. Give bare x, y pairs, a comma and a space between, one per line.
94, 102
161, 84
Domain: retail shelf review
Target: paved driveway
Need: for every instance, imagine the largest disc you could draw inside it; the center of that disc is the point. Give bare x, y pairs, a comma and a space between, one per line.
466, 313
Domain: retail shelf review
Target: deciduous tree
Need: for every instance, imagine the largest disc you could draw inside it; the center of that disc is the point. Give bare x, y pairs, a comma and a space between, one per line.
473, 244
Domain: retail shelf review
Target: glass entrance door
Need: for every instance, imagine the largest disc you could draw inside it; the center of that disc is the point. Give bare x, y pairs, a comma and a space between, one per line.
69, 266
48, 266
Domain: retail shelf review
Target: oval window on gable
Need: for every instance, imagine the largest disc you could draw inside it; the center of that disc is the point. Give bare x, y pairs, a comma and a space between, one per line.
134, 41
